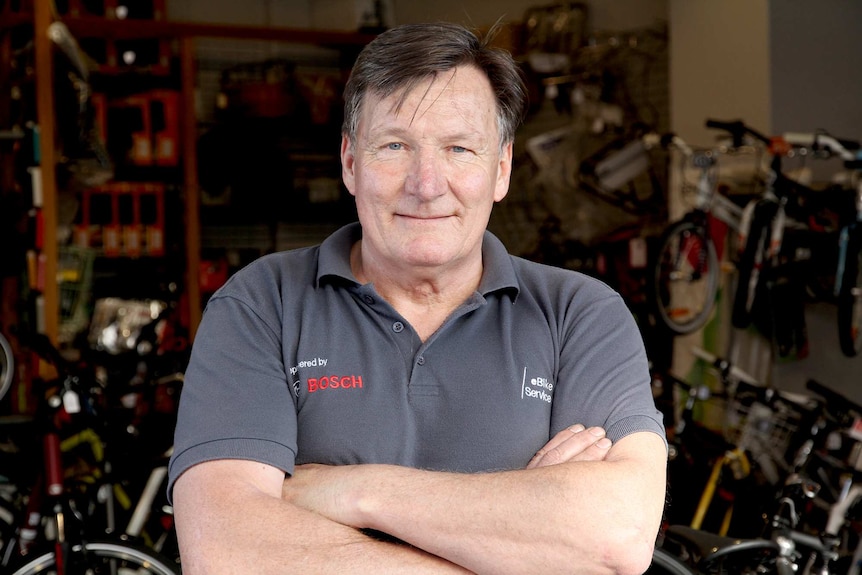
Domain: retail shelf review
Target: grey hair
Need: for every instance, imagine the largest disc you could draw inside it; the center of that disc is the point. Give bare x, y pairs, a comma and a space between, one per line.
402, 57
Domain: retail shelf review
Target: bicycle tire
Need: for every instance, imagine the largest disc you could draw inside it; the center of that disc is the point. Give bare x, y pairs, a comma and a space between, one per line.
685, 277
752, 263
665, 563
104, 557
7, 366
850, 296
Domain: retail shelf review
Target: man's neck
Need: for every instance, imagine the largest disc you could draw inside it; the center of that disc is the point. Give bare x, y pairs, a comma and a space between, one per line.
425, 297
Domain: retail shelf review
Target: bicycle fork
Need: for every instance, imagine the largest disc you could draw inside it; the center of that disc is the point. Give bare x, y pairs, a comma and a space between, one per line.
738, 463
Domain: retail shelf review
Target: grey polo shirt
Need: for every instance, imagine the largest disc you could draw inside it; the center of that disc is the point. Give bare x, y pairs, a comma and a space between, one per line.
296, 362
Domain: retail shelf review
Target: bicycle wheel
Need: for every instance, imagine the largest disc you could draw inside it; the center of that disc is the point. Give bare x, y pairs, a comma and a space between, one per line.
685, 277
7, 366
103, 558
664, 563
850, 296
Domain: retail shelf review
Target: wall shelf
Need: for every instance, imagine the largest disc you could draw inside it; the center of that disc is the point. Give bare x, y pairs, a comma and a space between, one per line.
184, 35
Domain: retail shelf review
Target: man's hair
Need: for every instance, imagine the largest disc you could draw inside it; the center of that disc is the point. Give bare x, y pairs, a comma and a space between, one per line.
402, 57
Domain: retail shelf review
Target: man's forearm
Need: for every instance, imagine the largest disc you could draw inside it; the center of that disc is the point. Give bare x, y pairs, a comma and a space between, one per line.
584, 517
229, 527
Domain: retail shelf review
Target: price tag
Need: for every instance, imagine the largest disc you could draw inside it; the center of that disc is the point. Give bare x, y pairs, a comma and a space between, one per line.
71, 402
637, 253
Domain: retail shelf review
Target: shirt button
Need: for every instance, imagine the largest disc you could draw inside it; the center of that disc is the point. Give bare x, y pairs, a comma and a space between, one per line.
397, 327
420, 360
368, 299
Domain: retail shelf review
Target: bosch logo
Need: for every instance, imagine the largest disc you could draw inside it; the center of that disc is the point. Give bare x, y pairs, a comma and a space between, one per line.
334, 382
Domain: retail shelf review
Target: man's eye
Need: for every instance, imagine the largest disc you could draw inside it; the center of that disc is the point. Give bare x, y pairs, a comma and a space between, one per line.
395, 146
459, 149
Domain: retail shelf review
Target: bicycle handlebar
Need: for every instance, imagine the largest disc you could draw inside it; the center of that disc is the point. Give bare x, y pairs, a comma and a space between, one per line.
827, 145
737, 130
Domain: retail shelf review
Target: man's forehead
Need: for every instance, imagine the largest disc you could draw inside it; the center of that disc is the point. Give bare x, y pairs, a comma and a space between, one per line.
468, 80
450, 92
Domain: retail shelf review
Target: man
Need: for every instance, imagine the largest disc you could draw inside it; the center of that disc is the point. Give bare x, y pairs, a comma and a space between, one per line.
407, 397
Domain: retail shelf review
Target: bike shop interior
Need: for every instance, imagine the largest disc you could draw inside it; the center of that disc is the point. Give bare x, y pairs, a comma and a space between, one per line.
151, 148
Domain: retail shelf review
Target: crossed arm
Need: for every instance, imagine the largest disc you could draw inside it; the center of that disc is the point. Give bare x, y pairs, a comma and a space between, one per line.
581, 506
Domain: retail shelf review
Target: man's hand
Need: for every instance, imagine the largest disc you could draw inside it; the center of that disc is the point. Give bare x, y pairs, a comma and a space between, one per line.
573, 444
326, 490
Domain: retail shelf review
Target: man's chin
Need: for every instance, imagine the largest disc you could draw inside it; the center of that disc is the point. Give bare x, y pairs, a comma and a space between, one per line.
429, 255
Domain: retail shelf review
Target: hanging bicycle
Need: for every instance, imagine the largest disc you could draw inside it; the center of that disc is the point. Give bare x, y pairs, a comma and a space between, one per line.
848, 273
686, 271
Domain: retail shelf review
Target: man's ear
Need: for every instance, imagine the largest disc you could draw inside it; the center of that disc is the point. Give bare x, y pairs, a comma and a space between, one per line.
348, 162
504, 172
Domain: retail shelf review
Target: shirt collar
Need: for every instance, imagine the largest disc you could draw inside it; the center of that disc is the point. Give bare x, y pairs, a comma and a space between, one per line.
334, 261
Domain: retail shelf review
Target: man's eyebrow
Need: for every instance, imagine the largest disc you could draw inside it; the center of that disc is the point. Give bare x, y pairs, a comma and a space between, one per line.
387, 131
390, 131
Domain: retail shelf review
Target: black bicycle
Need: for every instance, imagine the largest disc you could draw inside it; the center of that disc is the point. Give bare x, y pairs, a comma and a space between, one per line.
848, 272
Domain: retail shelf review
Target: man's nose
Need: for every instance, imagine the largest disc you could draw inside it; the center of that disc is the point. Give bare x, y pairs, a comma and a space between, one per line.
426, 176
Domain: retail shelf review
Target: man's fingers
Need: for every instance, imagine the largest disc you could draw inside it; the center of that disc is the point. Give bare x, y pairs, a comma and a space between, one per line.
573, 444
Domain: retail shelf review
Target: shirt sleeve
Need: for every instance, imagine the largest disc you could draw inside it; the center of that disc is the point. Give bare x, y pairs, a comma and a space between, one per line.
236, 401
604, 377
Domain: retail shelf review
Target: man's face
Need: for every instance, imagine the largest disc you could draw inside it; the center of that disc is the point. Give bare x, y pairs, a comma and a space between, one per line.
426, 176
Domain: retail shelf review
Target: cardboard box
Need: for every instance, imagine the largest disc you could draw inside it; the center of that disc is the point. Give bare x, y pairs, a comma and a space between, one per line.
165, 124
122, 219
130, 131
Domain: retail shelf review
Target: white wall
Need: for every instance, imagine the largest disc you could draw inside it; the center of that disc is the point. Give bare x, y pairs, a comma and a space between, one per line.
719, 65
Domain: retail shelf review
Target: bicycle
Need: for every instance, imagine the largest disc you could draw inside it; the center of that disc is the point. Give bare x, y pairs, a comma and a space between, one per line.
811, 528
848, 273
722, 477
778, 257
686, 271
834, 463
55, 534
782, 549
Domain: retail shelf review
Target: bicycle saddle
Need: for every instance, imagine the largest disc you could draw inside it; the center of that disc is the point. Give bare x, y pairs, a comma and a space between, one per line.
708, 548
